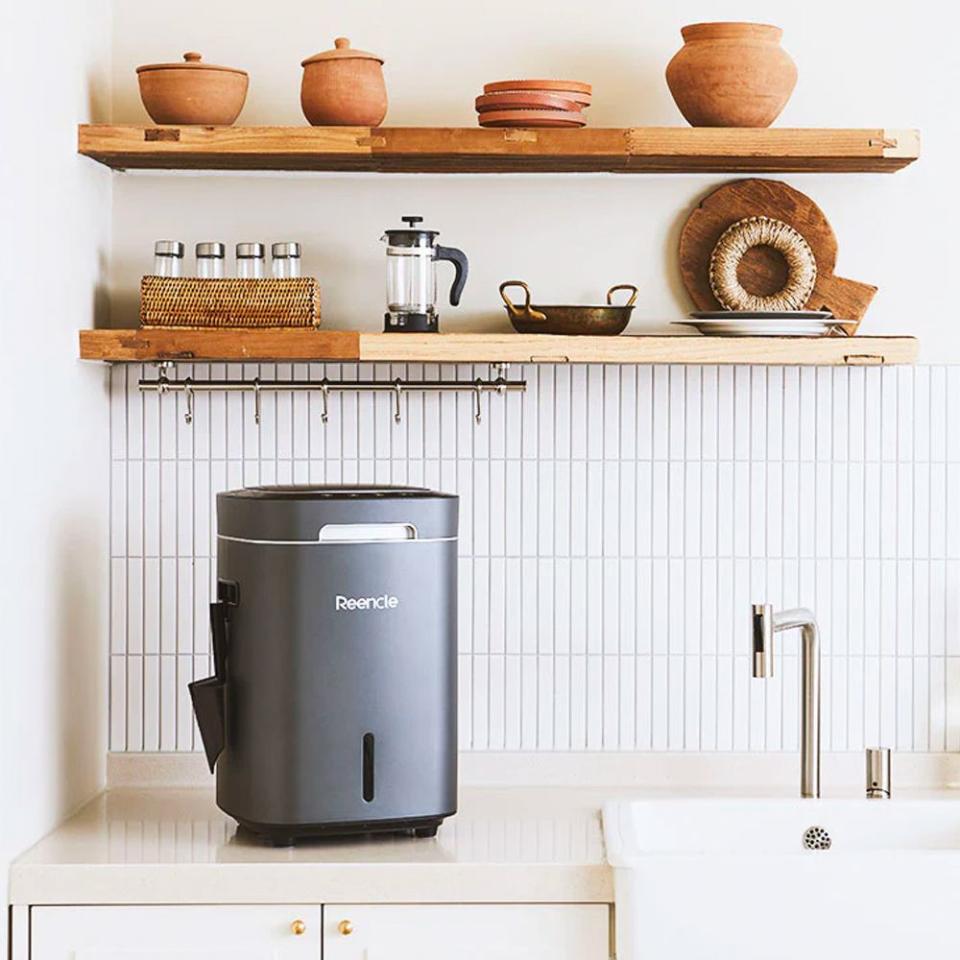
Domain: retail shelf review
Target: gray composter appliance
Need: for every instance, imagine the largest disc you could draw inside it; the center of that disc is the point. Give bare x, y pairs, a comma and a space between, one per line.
333, 705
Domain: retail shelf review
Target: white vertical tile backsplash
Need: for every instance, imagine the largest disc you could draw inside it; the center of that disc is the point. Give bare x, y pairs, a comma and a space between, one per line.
616, 524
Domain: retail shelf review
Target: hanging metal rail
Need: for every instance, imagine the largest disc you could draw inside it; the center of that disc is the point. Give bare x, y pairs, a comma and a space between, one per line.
189, 387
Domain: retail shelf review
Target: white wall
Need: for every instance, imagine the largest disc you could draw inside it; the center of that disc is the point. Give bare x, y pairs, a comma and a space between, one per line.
860, 63
53, 411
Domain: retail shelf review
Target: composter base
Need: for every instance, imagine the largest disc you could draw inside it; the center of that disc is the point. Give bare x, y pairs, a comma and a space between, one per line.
285, 835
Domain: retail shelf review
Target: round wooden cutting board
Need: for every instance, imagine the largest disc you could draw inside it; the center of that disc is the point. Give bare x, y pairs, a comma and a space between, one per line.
763, 270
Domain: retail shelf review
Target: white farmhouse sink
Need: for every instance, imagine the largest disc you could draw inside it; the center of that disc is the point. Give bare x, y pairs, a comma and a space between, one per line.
701, 879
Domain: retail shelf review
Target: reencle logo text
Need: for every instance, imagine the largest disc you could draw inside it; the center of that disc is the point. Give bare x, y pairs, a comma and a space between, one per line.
385, 602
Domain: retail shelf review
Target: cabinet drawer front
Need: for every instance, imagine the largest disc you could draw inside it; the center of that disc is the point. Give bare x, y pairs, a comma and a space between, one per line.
175, 933
522, 931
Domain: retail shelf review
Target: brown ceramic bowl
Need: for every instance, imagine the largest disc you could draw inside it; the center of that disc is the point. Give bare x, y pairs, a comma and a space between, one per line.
192, 92
343, 87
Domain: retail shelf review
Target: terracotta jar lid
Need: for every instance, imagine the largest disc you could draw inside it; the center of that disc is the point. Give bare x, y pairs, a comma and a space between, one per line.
341, 51
191, 61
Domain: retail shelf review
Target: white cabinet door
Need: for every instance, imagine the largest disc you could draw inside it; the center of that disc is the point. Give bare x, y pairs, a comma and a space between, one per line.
175, 933
521, 931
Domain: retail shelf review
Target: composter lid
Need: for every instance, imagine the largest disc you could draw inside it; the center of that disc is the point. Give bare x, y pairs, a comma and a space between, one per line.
355, 491
298, 513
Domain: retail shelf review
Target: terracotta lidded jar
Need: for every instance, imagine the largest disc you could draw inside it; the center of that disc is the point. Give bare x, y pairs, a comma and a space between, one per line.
192, 91
731, 75
343, 87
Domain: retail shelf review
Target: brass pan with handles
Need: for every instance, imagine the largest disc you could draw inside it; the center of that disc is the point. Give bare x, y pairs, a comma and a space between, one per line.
568, 320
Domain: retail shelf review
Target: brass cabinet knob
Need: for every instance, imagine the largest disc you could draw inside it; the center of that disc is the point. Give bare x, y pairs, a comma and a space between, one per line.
298, 927
345, 927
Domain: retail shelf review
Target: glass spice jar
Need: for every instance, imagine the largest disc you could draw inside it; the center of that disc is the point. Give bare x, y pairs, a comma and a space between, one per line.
167, 258
210, 259
250, 261
285, 260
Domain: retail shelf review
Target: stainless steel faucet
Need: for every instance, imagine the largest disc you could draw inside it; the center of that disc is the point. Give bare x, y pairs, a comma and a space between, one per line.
878, 773
765, 624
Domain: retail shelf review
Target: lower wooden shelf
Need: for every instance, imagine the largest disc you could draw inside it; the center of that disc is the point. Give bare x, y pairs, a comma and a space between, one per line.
525, 348
148, 345
272, 345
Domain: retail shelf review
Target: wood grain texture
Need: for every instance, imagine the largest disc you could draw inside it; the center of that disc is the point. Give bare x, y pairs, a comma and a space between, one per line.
762, 271
140, 346
541, 348
472, 149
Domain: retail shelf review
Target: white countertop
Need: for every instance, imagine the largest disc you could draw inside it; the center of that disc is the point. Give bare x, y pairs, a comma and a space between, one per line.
164, 845
506, 844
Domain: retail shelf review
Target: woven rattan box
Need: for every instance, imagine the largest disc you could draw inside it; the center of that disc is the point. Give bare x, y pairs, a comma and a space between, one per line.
198, 302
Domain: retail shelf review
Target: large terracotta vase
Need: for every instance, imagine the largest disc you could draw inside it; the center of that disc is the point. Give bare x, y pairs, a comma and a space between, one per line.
731, 75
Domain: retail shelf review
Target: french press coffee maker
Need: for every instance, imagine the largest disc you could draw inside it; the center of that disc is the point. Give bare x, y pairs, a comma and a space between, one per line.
412, 253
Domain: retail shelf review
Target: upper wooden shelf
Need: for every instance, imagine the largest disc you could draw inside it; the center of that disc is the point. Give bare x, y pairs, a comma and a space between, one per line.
477, 150
285, 346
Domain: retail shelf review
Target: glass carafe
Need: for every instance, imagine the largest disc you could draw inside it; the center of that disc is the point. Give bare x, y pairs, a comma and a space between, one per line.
412, 254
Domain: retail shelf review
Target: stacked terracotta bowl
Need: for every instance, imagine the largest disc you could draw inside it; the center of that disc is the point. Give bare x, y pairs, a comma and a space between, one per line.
534, 103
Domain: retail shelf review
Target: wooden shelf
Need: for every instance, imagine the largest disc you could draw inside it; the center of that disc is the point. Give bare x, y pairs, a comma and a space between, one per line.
140, 346
268, 346
477, 150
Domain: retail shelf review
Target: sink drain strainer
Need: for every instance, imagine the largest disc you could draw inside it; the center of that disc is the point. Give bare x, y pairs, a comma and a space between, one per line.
816, 838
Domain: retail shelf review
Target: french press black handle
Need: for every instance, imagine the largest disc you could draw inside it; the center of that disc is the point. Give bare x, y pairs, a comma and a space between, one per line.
459, 260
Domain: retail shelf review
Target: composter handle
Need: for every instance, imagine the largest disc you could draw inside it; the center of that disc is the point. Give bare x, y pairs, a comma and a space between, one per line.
208, 694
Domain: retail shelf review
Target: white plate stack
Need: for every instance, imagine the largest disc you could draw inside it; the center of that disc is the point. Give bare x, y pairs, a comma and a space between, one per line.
748, 323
